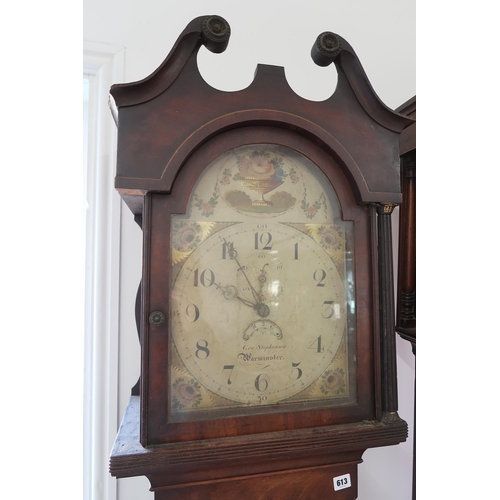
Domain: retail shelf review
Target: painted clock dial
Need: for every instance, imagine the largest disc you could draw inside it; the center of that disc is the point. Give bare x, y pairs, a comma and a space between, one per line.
261, 301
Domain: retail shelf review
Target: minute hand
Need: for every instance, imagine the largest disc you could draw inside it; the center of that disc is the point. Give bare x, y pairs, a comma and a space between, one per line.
261, 307
256, 296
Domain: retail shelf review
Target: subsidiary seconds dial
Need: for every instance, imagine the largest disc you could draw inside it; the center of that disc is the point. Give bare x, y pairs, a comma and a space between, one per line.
258, 312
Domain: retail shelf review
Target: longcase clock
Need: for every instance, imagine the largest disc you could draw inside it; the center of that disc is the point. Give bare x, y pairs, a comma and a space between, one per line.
265, 310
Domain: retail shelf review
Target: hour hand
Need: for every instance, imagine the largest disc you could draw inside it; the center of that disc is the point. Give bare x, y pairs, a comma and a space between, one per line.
230, 292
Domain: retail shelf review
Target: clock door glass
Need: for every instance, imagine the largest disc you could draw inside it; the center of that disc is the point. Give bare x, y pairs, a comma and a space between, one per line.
262, 310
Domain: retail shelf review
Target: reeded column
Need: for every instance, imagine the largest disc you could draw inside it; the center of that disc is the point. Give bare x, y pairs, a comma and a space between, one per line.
386, 305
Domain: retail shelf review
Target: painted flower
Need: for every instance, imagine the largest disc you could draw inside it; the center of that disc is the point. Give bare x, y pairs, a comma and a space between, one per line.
259, 168
310, 210
206, 207
186, 393
185, 236
226, 179
294, 176
333, 382
329, 238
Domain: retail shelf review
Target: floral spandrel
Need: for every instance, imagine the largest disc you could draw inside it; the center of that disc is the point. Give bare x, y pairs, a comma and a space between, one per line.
185, 235
186, 393
330, 237
333, 382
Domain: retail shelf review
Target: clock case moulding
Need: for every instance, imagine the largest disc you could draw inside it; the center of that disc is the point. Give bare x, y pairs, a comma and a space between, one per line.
170, 117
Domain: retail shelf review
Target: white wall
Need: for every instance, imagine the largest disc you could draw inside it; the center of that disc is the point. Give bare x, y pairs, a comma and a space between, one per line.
273, 32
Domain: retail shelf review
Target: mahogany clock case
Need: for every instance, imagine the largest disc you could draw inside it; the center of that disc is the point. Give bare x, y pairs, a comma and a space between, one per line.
171, 126
157, 245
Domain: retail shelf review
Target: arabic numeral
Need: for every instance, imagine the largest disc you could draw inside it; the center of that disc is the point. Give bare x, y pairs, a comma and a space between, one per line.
263, 241
206, 278
202, 351
296, 372
316, 345
261, 382
319, 276
230, 368
192, 313
329, 309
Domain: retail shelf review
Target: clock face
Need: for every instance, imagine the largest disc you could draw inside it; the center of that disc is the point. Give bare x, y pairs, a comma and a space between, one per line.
262, 292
